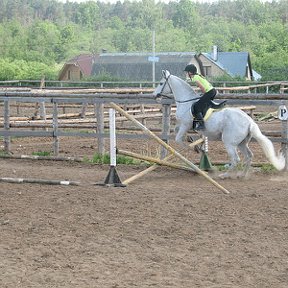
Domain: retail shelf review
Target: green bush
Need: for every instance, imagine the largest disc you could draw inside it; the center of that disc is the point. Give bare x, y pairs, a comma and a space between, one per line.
21, 69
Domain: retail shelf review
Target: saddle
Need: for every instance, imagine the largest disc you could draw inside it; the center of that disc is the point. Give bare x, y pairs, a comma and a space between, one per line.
210, 104
215, 105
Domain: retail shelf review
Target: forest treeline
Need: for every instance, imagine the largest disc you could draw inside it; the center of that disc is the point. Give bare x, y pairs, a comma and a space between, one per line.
38, 36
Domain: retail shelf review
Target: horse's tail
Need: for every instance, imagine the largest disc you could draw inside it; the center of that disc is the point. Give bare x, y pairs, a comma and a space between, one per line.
278, 161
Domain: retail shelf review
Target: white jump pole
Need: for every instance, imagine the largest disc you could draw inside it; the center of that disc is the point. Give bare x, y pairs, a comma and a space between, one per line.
112, 137
112, 178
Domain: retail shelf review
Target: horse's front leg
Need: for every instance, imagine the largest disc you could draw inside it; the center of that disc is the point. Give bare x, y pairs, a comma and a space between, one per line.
181, 131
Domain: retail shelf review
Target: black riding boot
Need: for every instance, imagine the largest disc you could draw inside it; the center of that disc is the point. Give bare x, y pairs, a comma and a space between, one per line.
200, 121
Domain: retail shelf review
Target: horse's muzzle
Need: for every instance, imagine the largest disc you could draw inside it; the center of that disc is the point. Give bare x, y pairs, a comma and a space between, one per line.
158, 98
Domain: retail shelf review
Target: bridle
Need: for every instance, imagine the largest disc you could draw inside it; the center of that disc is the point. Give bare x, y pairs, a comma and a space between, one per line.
160, 95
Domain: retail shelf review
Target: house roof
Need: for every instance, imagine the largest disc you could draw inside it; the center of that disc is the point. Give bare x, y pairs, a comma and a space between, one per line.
83, 61
138, 66
234, 63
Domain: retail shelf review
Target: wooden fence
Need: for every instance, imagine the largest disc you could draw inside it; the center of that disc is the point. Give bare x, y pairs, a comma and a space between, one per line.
222, 86
53, 125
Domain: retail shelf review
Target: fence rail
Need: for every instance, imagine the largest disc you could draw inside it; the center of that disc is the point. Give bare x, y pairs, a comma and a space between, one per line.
55, 127
222, 86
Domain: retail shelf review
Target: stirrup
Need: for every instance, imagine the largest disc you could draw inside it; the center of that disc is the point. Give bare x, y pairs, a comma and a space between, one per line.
199, 126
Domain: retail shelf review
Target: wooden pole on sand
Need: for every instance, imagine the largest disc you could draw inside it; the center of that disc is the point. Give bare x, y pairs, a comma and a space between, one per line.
154, 166
39, 181
154, 160
168, 147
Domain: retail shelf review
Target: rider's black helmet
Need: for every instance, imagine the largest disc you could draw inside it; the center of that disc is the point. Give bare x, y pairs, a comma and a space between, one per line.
191, 68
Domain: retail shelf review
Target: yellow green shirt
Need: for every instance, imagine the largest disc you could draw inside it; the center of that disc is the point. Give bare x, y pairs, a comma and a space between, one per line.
207, 85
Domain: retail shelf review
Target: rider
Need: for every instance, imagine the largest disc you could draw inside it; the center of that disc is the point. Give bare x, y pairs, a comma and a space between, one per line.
209, 92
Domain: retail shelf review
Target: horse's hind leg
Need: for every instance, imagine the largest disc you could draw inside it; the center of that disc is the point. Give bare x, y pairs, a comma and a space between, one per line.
234, 160
248, 155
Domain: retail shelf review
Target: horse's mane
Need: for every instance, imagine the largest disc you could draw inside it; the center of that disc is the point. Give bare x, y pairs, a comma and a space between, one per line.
182, 89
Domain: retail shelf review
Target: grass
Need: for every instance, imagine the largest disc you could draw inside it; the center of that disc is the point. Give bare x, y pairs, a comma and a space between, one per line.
41, 153
4, 153
99, 159
221, 167
105, 159
264, 168
268, 168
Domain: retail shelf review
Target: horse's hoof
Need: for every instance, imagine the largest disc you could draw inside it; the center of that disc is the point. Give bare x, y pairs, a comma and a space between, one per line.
243, 175
224, 175
197, 149
190, 139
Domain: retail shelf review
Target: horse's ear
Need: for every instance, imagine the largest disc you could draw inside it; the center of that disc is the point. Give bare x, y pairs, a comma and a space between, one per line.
165, 73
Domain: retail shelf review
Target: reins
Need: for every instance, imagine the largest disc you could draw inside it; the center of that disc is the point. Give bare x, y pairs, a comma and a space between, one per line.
185, 101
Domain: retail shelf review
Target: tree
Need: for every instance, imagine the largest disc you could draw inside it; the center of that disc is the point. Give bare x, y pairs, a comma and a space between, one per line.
20, 69
51, 32
14, 40
128, 40
88, 15
145, 14
43, 43
186, 16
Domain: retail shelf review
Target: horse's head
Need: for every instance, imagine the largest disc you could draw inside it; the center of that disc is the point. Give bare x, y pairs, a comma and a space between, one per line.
163, 87
170, 84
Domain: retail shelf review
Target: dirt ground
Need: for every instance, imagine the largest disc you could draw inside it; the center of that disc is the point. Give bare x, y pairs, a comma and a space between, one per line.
170, 228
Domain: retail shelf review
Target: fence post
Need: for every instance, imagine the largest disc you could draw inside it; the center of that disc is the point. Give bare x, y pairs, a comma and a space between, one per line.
6, 125
84, 109
55, 128
283, 116
99, 112
281, 89
284, 145
165, 127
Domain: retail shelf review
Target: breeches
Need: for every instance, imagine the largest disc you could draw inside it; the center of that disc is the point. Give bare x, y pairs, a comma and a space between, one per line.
202, 104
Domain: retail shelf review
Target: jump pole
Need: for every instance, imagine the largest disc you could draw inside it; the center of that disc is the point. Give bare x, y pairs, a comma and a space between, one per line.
39, 181
168, 147
154, 160
154, 166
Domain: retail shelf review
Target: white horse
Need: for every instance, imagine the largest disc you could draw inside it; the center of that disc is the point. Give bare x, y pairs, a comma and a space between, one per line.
231, 125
